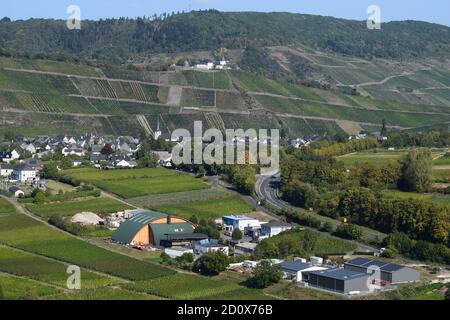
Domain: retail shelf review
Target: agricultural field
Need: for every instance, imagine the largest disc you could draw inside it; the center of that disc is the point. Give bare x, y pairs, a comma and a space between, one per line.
432, 197
106, 293
197, 98
133, 183
374, 158
184, 287
176, 198
99, 206
6, 208
228, 204
14, 288
443, 161
25, 233
441, 175
42, 269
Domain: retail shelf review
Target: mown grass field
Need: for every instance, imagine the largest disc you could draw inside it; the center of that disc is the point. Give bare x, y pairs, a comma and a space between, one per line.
65, 209
22, 232
131, 183
210, 208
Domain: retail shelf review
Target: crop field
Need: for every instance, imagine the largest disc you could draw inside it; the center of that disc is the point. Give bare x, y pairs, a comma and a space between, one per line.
184, 287
215, 208
38, 83
432, 197
14, 288
70, 208
51, 66
22, 232
260, 84
213, 80
131, 183
230, 101
131, 188
45, 270
197, 98
176, 198
297, 107
95, 88
441, 175
375, 158
106, 293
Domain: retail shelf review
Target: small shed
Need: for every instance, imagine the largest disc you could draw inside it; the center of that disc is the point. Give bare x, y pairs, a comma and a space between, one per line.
17, 192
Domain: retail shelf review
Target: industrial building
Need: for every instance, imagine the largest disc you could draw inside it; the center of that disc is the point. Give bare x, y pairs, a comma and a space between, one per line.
297, 270
389, 273
240, 222
157, 229
340, 280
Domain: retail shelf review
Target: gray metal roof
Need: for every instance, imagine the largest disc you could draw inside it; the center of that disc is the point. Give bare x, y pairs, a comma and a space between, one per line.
340, 274
366, 263
295, 265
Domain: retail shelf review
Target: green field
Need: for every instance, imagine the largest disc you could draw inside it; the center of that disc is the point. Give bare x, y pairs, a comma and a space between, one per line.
441, 175
5, 207
64, 209
209, 209
443, 161
159, 200
25, 233
184, 287
14, 288
432, 197
107, 293
375, 158
45, 270
133, 183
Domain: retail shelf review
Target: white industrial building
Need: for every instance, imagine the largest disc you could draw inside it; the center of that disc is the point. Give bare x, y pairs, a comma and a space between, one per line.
240, 222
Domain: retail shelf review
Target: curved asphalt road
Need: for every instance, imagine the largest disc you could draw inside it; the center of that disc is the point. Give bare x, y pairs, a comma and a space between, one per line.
267, 188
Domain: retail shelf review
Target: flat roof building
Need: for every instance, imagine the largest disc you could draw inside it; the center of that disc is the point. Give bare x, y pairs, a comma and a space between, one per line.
340, 280
388, 272
297, 270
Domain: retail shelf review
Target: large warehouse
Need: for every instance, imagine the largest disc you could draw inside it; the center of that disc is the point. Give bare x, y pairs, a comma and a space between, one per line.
153, 228
340, 280
390, 273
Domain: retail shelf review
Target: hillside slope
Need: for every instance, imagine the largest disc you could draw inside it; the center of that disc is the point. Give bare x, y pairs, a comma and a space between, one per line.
119, 39
45, 97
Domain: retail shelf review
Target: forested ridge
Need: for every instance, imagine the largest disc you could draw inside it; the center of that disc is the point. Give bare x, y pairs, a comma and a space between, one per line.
115, 40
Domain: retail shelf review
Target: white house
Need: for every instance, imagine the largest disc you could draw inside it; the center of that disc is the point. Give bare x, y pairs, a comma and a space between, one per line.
274, 228
9, 156
165, 158
17, 192
241, 222
126, 164
297, 270
29, 147
6, 170
205, 246
204, 65
25, 174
